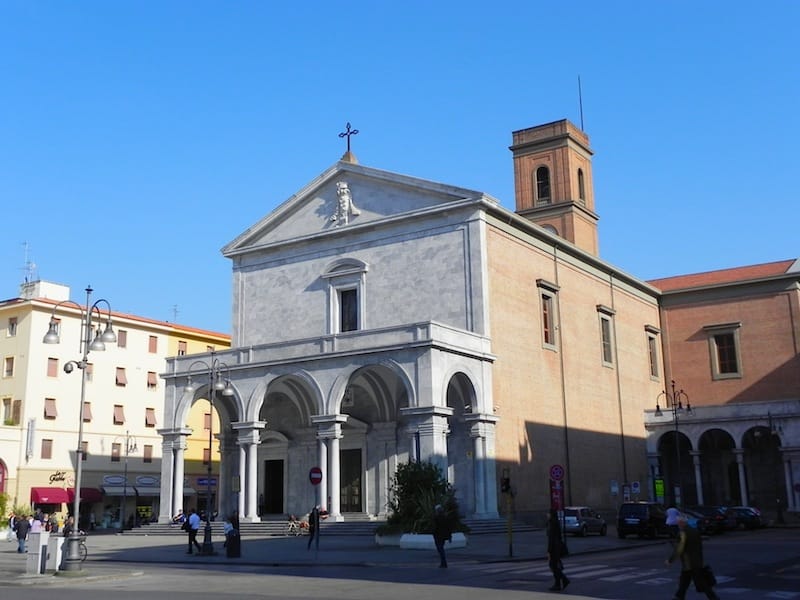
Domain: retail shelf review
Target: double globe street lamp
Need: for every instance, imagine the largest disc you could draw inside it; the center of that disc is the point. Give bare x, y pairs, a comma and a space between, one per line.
91, 315
674, 401
216, 383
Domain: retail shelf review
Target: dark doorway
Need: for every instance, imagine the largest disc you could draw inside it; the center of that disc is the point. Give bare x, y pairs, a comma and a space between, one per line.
273, 487
350, 466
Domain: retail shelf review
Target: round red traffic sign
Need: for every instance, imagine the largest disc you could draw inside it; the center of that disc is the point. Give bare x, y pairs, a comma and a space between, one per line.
556, 472
315, 475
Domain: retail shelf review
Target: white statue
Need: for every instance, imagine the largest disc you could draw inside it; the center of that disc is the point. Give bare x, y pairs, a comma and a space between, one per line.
345, 207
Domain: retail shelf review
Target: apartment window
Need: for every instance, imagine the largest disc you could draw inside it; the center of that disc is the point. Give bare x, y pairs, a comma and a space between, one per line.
8, 366
542, 185
52, 367
346, 295
206, 455
87, 412
89, 371
149, 417
152, 380
207, 421
122, 380
147, 453
47, 449
119, 415
652, 350
606, 315
50, 408
210, 348
581, 187
7, 407
152, 344
84, 450
181, 348
116, 451
122, 339
12, 327
547, 300
723, 346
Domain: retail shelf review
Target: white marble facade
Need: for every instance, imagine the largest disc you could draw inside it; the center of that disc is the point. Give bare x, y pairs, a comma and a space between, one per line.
359, 341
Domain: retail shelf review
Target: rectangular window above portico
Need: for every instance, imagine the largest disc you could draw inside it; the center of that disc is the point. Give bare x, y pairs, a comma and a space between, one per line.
346, 295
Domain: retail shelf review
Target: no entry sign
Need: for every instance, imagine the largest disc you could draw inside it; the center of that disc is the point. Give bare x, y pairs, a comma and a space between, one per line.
315, 475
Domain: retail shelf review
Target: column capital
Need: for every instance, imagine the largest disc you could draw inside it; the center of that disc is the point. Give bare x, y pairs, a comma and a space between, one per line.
329, 426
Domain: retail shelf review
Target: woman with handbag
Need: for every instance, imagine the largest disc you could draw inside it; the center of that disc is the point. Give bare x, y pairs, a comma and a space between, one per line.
690, 550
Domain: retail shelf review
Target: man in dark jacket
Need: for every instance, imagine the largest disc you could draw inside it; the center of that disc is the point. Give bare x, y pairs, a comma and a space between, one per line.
441, 533
555, 550
690, 550
22, 526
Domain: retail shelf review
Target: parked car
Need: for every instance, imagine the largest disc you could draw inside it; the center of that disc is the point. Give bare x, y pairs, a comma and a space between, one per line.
581, 520
748, 517
698, 520
722, 518
645, 519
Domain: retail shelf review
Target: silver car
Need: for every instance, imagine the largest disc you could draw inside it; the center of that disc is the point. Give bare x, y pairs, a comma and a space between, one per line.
582, 520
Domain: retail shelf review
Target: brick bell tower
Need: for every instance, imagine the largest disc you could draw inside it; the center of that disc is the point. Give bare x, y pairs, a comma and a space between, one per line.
553, 181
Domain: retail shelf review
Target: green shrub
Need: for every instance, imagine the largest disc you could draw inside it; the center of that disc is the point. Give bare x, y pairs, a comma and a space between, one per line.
416, 488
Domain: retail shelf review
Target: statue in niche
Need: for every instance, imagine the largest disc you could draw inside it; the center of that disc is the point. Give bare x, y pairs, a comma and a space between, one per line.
345, 207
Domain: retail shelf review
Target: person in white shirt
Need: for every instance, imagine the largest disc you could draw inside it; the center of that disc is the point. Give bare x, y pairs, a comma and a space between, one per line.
194, 527
673, 514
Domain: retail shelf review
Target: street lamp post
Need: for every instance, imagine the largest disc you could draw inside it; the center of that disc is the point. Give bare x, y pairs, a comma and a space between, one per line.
89, 313
215, 384
674, 401
130, 446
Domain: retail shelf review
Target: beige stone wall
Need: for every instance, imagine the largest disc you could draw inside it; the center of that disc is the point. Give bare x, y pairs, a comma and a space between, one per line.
538, 390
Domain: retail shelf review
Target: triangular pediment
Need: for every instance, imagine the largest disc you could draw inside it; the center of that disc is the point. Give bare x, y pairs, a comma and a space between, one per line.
347, 196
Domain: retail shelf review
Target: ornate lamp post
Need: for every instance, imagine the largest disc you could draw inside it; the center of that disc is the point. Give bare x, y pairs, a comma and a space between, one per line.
215, 384
90, 313
674, 401
130, 446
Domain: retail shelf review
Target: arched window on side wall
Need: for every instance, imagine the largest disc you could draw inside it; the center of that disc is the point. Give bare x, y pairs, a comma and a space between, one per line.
543, 185
581, 187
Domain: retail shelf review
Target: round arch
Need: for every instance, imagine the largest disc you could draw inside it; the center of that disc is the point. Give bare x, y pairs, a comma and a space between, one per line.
674, 449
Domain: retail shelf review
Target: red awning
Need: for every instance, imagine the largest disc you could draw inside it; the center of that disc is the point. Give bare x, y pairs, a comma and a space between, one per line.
88, 494
49, 495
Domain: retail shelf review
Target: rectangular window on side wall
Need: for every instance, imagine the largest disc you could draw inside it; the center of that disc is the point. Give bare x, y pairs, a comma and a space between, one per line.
52, 367
8, 366
121, 379
119, 415
348, 310
181, 348
7, 420
149, 417
207, 421
12, 327
724, 350
152, 380
152, 344
147, 453
84, 451
47, 449
548, 304
87, 412
50, 411
89, 371
122, 338
652, 336
606, 316
206, 455
16, 412
116, 451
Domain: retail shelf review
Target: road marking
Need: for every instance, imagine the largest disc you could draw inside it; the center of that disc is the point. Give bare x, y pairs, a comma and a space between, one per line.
632, 575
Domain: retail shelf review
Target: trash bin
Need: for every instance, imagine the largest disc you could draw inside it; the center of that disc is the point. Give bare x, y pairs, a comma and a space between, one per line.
55, 552
37, 553
233, 544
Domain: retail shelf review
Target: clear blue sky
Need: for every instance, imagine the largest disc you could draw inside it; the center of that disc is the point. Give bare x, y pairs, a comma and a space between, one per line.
138, 138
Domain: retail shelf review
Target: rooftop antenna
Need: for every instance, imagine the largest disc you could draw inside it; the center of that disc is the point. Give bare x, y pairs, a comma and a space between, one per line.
30, 266
580, 100
175, 312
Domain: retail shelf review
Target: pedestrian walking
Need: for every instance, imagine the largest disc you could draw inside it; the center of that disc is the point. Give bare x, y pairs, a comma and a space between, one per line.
313, 527
690, 550
192, 526
441, 533
555, 551
22, 526
233, 540
671, 521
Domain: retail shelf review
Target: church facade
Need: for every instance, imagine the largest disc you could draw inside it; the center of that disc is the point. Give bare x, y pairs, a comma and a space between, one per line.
380, 318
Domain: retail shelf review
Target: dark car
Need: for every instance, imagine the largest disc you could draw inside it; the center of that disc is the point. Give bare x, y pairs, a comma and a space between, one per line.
699, 521
645, 519
747, 517
582, 520
721, 518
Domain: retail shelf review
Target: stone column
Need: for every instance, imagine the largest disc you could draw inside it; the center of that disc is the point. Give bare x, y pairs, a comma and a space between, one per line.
249, 438
787, 482
177, 482
739, 454
329, 428
430, 423
322, 461
698, 479
170, 498
252, 482
482, 432
242, 479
